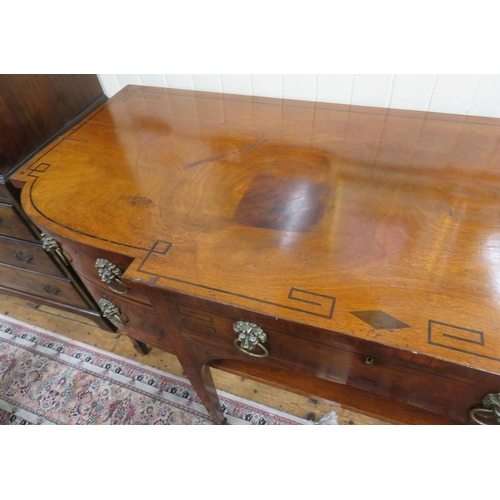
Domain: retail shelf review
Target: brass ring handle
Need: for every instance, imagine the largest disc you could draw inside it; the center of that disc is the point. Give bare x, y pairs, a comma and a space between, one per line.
254, 354
50, 245
110, 311
117, 319
119, 292
110, 273
490, 406
62, 256
250, 335
479, 410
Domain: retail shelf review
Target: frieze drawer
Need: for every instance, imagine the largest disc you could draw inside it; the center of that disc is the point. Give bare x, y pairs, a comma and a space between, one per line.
88, 265
223, 337
48, 287
137, 320
28, 256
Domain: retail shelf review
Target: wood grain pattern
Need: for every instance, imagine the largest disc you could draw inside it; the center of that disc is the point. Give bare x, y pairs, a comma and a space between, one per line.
301, 211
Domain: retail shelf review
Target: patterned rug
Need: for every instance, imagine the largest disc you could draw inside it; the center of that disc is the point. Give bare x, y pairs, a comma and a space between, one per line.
48, 379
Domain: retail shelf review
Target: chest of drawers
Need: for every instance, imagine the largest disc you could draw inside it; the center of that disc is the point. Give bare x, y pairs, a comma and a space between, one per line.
343, 252
34, 109
29, 270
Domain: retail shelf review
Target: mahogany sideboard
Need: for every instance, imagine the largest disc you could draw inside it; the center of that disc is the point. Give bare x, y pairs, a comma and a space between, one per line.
345, 252
34, 109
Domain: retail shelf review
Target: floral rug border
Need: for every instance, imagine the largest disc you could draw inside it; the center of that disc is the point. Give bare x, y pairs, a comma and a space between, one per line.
147, 380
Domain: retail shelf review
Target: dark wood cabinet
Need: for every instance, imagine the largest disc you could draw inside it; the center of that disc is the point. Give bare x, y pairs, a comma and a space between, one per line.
34, 110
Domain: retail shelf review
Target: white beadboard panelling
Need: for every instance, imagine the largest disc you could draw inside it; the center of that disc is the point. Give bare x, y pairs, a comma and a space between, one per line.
458, 94
180, 82
153, 80
487, 99
236, 84
267, 85
371, 90
454, 93
208, 83
109, 84
299, 87
334, 88
125, 80
412, 91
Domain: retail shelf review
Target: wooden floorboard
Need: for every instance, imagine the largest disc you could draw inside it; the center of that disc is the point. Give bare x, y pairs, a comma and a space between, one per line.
84, 330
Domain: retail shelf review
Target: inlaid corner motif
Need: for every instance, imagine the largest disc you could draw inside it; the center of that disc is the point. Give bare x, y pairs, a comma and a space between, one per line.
458, 338
38, 168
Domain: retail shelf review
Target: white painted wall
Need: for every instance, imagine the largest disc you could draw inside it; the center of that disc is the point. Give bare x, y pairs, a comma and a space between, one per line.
459, 94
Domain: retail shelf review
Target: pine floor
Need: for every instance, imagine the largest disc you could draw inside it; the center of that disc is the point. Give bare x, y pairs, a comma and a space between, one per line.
83, 330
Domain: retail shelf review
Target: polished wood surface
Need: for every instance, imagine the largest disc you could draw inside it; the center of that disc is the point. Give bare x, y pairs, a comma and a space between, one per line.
378, 225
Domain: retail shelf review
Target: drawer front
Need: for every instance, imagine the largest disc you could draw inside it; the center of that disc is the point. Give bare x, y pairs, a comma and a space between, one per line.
48, 287
12, 224
214, 333
140, 321
283, 350
29, 256
85, 265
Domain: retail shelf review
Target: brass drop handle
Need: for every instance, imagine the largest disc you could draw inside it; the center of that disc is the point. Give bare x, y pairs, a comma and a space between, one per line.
110, 273
23, 256
53, 290
490, 409
110, 311
249, 336
119, 292
50, 245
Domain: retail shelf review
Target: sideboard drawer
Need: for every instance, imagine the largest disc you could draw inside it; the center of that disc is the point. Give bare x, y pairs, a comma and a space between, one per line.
214, 334
11, 224
84, 264
48, 287
137, 320
30, 256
